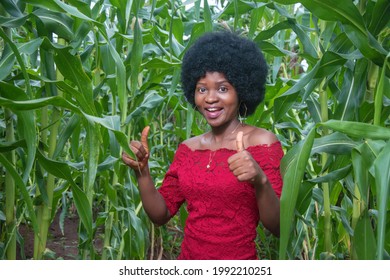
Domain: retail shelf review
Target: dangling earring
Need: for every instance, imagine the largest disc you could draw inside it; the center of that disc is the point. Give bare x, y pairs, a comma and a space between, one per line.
242, 118
202, 123
204, 126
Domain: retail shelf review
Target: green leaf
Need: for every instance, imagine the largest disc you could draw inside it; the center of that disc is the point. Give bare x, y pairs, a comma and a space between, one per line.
303, 81
240, 7
55, 22
208, 23
335, 143
7, 146
159, 63
48, 5
19, 59
289, 24
72, 69
380, 17
304, 197
355, 28
360, 171
150, 102
11, 22
271, 49
65, 134
367, 44
352, 92
136, 57
292, 179
256, 15
91, 149
333, 10
283, 104
107, 164
136, 224
333, 176
314, 108
178, 30
61, 170
112, 123
27, 129
11, 8
23, 190
31, 46
38, 103
8, 57
7, 61
72, 10
330, 63
381, 91
26, 123
108, 122
2, 216
119, 88
359, 130
382, 180
364, 239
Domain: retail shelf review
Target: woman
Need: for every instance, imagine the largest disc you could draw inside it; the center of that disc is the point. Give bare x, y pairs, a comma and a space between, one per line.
229, 176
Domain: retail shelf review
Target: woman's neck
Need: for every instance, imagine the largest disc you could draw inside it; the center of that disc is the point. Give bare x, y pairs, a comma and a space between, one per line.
220, 135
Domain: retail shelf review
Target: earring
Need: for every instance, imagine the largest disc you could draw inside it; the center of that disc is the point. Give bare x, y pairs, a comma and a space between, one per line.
242, 118
202, 123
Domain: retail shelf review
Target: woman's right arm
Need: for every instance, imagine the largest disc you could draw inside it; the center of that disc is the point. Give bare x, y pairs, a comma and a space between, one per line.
153, 202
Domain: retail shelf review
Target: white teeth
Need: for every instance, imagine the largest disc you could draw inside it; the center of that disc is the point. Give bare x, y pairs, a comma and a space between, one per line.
212, 109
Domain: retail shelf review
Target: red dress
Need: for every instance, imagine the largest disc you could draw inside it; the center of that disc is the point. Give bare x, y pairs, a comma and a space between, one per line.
222, 212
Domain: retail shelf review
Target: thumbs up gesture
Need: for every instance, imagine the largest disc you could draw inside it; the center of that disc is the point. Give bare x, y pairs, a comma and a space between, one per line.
141, 152
239, 141
242, 164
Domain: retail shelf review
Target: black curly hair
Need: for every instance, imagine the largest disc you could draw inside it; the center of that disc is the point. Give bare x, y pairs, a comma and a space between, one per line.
238, 58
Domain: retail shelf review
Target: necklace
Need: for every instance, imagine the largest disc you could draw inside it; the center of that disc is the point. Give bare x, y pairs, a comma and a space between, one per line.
212, 153
211, 156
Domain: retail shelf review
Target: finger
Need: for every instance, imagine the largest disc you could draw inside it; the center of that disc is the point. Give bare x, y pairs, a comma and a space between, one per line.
128, 160
144, 138
133, 163
138, 150
239, 141
233, 158
241, 175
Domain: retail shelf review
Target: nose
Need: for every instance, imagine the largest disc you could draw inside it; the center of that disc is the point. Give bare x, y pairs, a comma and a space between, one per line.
211, 96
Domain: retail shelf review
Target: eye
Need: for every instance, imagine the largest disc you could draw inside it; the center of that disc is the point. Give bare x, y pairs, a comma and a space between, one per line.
201, 89
223, 89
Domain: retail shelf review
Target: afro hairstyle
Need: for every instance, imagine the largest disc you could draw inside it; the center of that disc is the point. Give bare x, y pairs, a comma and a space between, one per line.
238, 58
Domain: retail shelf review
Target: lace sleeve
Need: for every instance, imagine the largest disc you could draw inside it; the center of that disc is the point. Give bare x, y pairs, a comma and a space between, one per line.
269, 157
170, 188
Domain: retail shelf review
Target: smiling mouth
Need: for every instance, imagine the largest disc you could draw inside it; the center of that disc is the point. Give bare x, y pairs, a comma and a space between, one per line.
213, 109
213, 113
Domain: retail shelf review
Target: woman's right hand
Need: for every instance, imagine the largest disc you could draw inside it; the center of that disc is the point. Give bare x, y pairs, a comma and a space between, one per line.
140, 150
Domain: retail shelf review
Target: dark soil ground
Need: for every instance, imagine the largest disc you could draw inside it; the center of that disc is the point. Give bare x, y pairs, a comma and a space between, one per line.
60, 245
65, 245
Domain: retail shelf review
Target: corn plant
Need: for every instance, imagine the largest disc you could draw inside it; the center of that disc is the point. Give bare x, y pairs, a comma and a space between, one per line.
334, 204
78, 79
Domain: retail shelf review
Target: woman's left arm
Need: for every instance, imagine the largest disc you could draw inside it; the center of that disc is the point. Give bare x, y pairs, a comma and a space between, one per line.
245, 168
267, 203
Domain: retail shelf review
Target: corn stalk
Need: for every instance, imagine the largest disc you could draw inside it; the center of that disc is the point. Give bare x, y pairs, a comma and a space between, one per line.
10, 192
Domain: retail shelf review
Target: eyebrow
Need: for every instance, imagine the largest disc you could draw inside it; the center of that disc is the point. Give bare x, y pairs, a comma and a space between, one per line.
218, 82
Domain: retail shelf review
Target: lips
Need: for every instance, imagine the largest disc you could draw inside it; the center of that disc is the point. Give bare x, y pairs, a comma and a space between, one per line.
213, 112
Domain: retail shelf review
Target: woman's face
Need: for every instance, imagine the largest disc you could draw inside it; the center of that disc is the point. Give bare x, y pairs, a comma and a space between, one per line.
216, 99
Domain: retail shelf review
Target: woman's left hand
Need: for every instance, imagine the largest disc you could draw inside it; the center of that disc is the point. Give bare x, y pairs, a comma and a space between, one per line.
243, 165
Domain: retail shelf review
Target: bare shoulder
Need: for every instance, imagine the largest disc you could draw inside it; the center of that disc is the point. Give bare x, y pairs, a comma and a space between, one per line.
259, 136
194, 143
